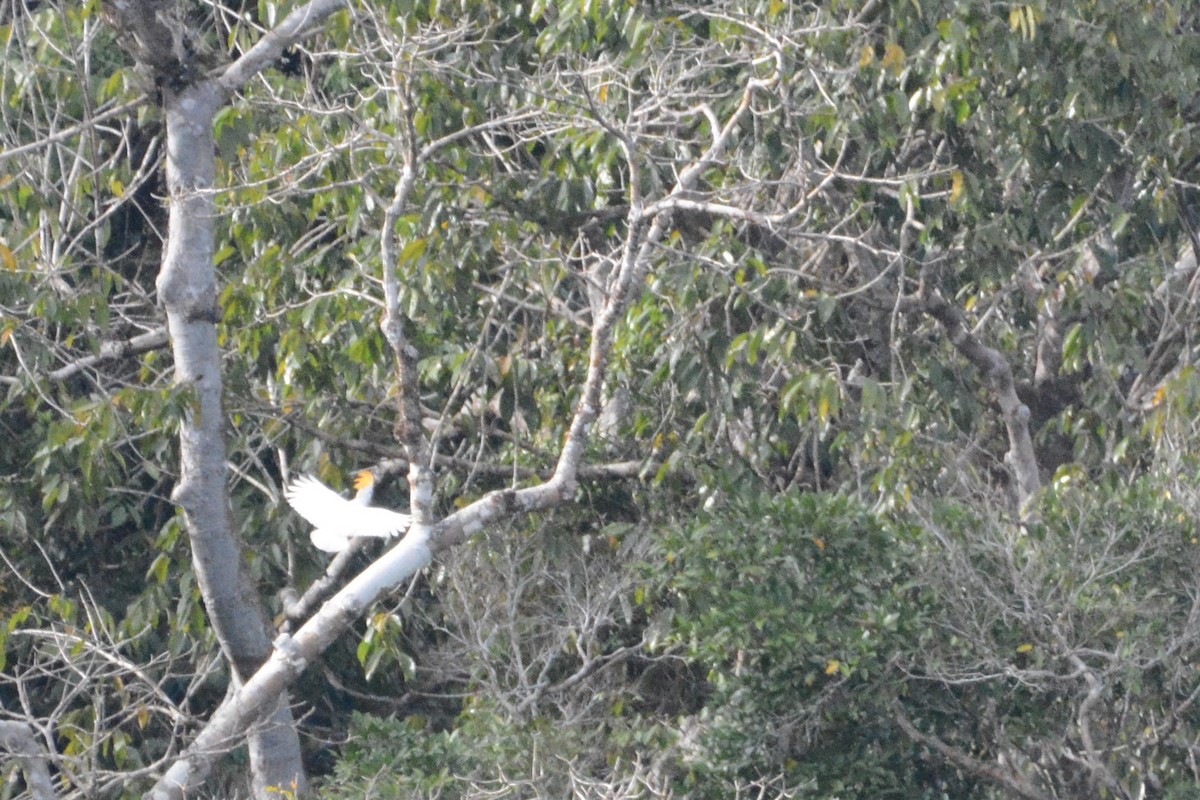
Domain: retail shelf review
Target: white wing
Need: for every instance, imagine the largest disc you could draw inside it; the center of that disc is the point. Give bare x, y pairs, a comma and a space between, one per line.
317, 503
373, 521
329, 541
337, 519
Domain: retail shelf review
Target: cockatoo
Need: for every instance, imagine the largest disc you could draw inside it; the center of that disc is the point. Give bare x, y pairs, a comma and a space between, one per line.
337, 519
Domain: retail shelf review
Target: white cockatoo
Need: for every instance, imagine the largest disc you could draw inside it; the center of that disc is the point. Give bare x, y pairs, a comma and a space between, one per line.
339, 520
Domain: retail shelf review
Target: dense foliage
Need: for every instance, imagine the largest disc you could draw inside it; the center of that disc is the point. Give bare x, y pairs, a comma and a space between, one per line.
893, 253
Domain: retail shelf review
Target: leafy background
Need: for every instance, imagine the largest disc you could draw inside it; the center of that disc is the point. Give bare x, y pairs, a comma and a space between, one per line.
821, 543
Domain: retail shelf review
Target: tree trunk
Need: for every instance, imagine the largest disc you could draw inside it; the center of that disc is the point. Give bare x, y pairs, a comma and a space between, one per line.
187, 289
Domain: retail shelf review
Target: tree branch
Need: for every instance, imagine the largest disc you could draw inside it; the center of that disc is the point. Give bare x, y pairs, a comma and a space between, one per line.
243, 707
997, 376
17, 739
113, 351
74, 130
409, 432
294, 27
292, 654
1012, 781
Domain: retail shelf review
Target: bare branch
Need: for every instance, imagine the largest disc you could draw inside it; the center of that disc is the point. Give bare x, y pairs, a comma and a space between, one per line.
114, 351
294, 27
997, 376
1012, 781
292, 654
74, 130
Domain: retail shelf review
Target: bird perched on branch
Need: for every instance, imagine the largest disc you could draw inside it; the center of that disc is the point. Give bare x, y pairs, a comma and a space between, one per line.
337, 519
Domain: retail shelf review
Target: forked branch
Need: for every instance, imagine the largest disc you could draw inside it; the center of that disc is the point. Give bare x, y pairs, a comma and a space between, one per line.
292, 653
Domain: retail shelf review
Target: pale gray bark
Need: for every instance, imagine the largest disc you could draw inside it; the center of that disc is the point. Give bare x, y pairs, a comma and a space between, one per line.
291, 655
187, 290
113, 351
417, 548
17, 739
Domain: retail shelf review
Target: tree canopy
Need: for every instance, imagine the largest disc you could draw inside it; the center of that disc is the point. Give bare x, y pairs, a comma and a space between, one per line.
792, 399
